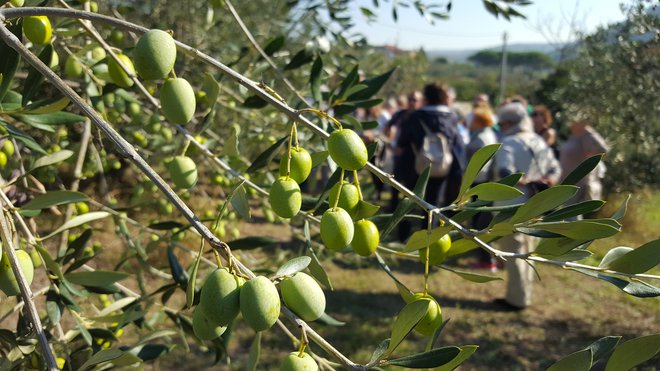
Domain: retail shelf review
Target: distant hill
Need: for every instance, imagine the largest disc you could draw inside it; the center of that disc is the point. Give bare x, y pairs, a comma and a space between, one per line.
458, 56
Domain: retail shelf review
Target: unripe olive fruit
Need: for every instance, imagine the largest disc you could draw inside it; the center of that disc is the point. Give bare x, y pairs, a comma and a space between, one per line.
17, 3
154, 55
219, 297
294, 362
183, 171
38, 29
285, 197
348, 199
260, 303
433, 318
81, 207
3, 160
205, 329
365, 238
300, 166
72, 68
177, 100
36, 258
117, 74
347, 149
336, 229
98, 53
117, 37
303, 295
8, 147
8, 283
438, 250
54, 61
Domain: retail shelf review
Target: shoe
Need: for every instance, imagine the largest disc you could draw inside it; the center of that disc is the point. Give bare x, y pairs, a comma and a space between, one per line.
507, 306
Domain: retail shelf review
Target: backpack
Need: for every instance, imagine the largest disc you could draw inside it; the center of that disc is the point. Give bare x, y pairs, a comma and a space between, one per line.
435, 151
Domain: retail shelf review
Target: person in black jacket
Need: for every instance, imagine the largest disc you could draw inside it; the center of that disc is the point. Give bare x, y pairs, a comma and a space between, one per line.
437, 117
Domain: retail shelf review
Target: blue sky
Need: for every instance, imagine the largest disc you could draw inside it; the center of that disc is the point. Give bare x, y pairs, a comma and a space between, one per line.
470, 26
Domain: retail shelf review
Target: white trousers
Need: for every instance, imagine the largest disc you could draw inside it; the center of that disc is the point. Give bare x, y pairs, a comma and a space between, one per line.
520, 273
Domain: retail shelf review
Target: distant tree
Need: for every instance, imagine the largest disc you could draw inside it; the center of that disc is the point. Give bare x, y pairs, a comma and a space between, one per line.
533, 60
441, 60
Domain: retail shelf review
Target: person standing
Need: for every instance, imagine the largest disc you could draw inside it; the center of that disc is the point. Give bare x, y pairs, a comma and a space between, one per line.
435, 117
542, 119
583, 143
481, 135
524, 151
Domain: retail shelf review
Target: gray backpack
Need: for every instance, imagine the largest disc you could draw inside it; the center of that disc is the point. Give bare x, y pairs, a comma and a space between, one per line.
435, 151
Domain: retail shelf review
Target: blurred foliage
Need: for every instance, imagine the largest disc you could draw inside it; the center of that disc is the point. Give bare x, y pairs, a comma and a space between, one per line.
614, 83
534, 60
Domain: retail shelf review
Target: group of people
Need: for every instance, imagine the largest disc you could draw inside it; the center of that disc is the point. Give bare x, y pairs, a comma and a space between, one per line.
529, 145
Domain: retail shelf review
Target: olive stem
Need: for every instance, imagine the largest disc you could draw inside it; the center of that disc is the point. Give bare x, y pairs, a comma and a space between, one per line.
356, 180
218, 260
295, 135
322, 114
185, 147
303, 342
26, 292
428, 252
288, 149
335, 202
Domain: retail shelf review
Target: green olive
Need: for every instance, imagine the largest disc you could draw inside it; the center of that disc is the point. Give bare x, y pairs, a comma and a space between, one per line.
295, 362
154, 55
183, 171
303, 296
8, 283
438, 250
365, 238
219, 297
300, 167
205, 329
177, 100
260, 303
336, 229
347, 149
348, 199
285, 197
37, 29
72, 68
117, 74
433, 318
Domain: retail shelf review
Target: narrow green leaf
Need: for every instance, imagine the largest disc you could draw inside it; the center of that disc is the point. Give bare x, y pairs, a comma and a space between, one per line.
473, 277
23, 137
582, 170
574, 210
421, 238
315, 267
477, 162
274, 44
433, 358
251, 242
293, 266
633, 352
54, 198
49, 105
578, 361
466, 352
329, 320
301, 58
638, 260
34, 79
318, 158
572, 255
406, 206
493, 192
614, 254
578, 230
380, 350
511, 179
192, 282
315, 78
621, 211
47, 120
557, 246
211, 87
117, 305
436, 335
543, 202
104, 355
178, 273
635, 288
254, 101
365, 209
350, 80
231, 143
255, 353
267, 156
78, 221
240, 202
373, 86
603, 346
96, 278
51, 159
10, 58
406, 321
